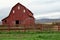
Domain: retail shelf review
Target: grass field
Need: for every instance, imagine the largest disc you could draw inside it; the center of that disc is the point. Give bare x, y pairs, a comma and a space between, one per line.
29, 35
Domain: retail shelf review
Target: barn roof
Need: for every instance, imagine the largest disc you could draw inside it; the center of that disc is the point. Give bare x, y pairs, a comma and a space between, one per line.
13, 7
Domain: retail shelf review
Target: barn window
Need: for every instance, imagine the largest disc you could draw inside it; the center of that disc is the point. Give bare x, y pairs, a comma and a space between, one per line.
18, 7
13, 11
5, 20
24, 11
30, 16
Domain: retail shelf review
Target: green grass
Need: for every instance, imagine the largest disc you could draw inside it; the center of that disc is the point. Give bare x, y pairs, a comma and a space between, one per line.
29, 35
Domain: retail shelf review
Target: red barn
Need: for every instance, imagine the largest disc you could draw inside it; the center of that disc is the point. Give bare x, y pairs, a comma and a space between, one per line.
19, 15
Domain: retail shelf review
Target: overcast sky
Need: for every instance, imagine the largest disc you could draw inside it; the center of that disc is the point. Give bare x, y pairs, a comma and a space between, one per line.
40, 8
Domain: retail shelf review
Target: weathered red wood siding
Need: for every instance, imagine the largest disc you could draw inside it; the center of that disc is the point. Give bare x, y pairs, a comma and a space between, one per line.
25, 18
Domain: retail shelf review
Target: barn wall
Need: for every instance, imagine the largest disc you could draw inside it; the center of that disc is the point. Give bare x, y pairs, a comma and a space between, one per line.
23, 17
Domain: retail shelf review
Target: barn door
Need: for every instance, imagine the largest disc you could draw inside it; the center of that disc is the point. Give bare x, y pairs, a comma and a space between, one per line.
17, 22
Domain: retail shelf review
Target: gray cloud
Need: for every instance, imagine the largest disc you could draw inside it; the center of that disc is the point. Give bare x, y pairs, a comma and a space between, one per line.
4, 13
38, 7
46, 7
